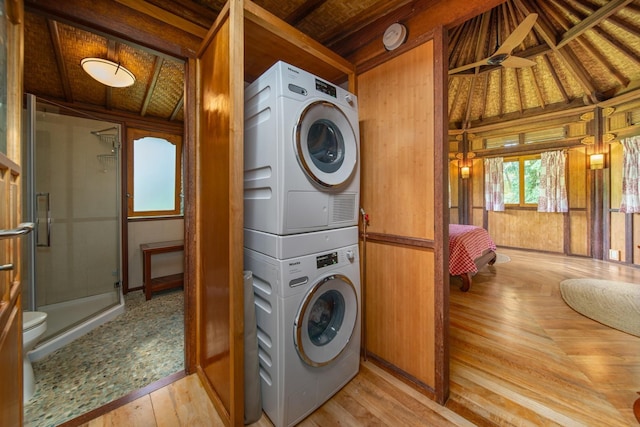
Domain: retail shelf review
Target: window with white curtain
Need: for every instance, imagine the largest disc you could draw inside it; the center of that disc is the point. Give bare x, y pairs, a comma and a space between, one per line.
631, 175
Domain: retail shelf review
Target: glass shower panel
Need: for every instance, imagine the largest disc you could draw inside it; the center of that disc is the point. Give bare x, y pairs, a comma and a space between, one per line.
77, 246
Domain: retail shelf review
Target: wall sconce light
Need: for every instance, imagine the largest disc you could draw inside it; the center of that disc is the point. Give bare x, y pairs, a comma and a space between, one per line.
596, 161
465, 171
108, 72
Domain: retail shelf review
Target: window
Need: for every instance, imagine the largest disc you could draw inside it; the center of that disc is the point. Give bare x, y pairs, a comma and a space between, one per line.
154, 174
521, 180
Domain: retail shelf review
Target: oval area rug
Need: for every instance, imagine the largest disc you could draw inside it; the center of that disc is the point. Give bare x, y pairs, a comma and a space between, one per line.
615, 304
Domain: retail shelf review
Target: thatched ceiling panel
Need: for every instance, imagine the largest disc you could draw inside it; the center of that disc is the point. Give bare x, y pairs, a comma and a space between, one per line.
332, 15
460, 90
529, 96
494, 94
569, 83
41, 65
141, 64
77, 45
282, 8
510, 85
477, 108
598, 72
169, 90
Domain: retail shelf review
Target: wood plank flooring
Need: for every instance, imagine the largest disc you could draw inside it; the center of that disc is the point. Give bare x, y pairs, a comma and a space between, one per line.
519, 356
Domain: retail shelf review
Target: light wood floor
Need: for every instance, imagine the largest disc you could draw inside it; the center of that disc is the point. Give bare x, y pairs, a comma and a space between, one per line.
519, 356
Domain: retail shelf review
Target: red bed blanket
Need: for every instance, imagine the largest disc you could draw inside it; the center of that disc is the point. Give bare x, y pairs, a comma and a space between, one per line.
466, 243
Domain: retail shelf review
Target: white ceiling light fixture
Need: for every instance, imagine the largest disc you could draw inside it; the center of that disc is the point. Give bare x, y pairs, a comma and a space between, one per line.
394, 36
108, 72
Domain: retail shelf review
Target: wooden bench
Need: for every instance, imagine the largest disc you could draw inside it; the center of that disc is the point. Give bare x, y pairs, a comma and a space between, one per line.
155, 284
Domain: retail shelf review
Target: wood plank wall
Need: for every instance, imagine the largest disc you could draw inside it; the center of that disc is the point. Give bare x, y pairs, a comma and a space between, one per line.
220, 328
398, 191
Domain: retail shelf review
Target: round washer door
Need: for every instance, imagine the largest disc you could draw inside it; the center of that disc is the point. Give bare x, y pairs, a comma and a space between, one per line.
326, 145
326, 320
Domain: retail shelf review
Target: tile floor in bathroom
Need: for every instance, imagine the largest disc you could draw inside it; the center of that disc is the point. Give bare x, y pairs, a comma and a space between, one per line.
141, 346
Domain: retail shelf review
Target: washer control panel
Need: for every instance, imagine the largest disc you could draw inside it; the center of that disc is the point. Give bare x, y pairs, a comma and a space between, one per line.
327, 259
326, 88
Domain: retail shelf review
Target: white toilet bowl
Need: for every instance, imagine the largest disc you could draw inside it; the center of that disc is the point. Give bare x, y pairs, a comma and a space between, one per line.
34, 324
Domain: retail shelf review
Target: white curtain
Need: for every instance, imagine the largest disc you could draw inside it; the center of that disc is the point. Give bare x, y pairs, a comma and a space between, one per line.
553, 186
493, 184
630, 175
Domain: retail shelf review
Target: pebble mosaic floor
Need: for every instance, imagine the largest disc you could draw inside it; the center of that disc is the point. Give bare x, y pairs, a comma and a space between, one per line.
141, 346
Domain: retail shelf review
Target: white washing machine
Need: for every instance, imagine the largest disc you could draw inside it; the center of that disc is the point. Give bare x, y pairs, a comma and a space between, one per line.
301, 153
308, 326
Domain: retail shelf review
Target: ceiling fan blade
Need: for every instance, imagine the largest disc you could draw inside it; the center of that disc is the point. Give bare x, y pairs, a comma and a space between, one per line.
517, 62
518, 35
468, 67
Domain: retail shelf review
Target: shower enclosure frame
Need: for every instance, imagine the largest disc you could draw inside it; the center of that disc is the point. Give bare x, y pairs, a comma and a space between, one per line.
103, 314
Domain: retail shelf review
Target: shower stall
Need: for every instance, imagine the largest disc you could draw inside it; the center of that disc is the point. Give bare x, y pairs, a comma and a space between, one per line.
72, 194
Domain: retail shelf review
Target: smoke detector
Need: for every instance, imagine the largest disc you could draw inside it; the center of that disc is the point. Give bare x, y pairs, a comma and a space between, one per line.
394, 36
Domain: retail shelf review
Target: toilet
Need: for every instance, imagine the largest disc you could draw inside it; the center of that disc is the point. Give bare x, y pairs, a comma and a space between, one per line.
34, 324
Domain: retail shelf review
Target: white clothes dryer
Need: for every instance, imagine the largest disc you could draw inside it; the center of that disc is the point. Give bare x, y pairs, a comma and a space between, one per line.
308, 328
301, 153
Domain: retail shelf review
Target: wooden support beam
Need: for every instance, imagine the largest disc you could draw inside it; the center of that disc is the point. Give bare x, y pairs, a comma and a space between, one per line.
624, 82
120, 21
157, 66
622, 48
177, 108
556, 79
594, 19
536, 86
303, 11
518, 91
62, 68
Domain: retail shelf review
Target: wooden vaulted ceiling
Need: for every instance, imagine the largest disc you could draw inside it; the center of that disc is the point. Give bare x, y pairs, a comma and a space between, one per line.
584, 51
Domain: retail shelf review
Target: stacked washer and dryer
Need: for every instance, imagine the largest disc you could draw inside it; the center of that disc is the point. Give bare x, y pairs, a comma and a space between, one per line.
301, 196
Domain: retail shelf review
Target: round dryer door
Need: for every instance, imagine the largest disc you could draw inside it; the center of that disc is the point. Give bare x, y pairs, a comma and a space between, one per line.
326, 144
326, 320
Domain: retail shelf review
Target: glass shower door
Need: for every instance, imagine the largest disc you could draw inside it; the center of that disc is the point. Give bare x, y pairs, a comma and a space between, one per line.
76, 204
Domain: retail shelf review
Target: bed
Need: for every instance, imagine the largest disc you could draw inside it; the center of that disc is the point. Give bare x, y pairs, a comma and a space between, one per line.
470, 248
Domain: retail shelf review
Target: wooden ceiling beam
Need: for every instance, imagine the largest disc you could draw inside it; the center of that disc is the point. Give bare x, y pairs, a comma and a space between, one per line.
482, 39
518, 91
302, 11
177, 108
556, 79
203, 16
151, 86
119, 21
485, 86
165, 17
536, 86
610, 8
622, 48
467, 114
59, 54
624, 82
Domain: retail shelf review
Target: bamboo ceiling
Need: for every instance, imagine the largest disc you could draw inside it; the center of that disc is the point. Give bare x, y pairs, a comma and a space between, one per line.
584, 51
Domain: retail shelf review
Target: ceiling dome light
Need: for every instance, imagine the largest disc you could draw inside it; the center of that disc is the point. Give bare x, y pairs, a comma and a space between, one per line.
107, 72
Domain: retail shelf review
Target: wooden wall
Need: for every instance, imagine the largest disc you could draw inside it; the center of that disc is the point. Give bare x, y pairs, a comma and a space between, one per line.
220, 345
404, 189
